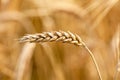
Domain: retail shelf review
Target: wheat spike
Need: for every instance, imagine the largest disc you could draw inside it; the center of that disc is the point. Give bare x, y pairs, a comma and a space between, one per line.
65, 37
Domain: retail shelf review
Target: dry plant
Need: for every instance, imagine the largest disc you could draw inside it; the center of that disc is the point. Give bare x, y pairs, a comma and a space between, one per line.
116, 47
65, 37
95, 23
57, 69
18, 17
24, 61
102, 11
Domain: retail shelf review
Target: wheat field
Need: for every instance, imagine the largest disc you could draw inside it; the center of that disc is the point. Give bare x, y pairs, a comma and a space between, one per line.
34, 36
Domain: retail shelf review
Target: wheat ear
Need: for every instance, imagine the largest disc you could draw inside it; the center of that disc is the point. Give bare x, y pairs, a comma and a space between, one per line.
65, 37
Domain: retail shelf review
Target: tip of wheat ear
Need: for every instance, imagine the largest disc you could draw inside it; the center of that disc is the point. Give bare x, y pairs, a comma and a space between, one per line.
65, 37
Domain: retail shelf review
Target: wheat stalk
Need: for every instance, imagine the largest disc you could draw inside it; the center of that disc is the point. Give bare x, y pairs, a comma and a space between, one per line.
24, 61
65, 37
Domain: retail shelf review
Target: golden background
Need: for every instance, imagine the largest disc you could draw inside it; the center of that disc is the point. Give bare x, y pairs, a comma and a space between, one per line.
97, 22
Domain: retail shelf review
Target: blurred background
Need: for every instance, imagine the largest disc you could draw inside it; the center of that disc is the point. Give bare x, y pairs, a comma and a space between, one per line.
97, 22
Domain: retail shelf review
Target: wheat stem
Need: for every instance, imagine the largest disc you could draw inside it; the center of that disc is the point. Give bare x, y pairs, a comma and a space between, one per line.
94, 60
65, 37
24, 61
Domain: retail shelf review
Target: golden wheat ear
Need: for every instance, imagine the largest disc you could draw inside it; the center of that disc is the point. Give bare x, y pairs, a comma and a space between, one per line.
62, 36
